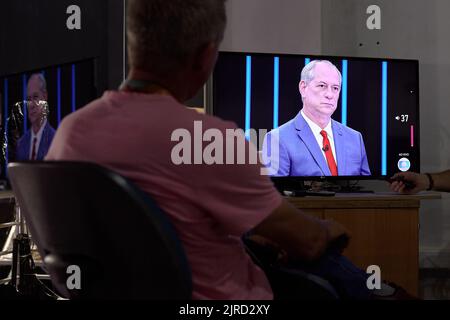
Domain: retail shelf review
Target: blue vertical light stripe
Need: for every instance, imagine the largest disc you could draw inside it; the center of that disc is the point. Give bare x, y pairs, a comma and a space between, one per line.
24, 98
344, 92
5, 117
73, 88
307, 60
276, 90
248, 96
58, 90
384, 108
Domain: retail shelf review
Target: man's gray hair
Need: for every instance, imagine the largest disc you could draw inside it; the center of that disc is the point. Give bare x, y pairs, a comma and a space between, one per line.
162, 34
307, 74
41, 79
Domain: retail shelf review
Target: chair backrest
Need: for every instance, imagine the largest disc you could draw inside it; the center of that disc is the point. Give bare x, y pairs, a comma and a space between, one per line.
83, 215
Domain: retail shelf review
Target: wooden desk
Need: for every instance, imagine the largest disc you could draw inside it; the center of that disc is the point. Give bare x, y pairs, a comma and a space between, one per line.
384, 229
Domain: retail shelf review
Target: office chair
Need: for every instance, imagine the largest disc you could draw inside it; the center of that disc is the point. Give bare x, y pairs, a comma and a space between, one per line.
98, 234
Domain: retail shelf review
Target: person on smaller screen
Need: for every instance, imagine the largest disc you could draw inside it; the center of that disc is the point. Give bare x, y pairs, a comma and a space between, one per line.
313, 144
34, 144
411, 182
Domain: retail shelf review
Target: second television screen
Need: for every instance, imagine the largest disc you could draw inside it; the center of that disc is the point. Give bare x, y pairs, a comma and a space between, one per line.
34, 102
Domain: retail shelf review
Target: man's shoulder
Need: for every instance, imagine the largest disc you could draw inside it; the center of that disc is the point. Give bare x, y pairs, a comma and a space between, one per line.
285, 129
210, 121
82, 113
50, 128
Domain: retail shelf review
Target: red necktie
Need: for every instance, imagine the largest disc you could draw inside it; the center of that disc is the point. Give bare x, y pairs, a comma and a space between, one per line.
329, 154
33, 152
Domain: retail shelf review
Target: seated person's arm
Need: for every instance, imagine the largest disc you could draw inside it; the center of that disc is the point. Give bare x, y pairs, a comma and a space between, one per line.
300, 235
421, 182
441, 181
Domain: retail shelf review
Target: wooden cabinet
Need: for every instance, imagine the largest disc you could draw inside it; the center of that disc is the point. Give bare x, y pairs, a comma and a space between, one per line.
384, 230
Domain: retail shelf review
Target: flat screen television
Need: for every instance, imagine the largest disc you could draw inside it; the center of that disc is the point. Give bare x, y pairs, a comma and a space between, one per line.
67, 87
378, 100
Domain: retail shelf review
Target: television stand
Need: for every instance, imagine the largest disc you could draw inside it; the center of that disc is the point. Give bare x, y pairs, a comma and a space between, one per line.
345, 187
298, 189
384, 228
353, 190
305, 193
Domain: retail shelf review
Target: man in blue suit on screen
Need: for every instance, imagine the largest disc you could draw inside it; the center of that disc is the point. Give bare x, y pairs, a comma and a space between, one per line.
34, 144
313, 144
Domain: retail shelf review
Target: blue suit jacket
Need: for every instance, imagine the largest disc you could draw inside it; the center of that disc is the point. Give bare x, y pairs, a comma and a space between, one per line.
23, 145
300, 155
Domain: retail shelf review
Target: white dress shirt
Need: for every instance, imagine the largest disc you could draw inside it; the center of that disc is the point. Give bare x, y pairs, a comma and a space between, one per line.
38, 137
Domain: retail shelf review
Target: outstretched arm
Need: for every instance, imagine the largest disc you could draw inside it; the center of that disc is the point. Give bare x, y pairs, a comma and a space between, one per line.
439, 182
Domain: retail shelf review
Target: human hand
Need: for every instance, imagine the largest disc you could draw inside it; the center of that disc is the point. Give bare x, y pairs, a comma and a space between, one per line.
409, 182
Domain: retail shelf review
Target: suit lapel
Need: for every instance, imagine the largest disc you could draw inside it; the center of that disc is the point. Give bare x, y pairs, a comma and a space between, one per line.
339, 145
305, 134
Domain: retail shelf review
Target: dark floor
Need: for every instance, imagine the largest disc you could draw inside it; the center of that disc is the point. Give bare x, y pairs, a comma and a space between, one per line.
434, 284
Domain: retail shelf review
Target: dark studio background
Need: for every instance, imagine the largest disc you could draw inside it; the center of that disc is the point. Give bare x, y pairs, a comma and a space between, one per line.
34, 38
363, 102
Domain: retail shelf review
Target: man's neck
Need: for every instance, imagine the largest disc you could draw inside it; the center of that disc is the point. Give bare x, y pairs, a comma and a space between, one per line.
152, 84
321, 120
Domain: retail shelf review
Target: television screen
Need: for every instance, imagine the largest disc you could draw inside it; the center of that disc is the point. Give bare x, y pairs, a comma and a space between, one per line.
345, 117
34, 102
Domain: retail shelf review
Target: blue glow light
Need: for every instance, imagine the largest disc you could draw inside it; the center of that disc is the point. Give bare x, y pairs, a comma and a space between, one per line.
276, 90
248, 96
24, 98
344, 91
384, 108
58, 90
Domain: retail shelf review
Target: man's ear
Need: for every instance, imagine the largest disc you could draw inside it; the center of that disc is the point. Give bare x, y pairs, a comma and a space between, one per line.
45, 95
302, 87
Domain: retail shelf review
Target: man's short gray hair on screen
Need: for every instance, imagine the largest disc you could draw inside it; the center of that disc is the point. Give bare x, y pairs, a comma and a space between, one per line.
307, 74
41, 78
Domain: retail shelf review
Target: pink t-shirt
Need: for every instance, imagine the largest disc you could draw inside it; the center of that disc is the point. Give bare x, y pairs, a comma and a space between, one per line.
210, 206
